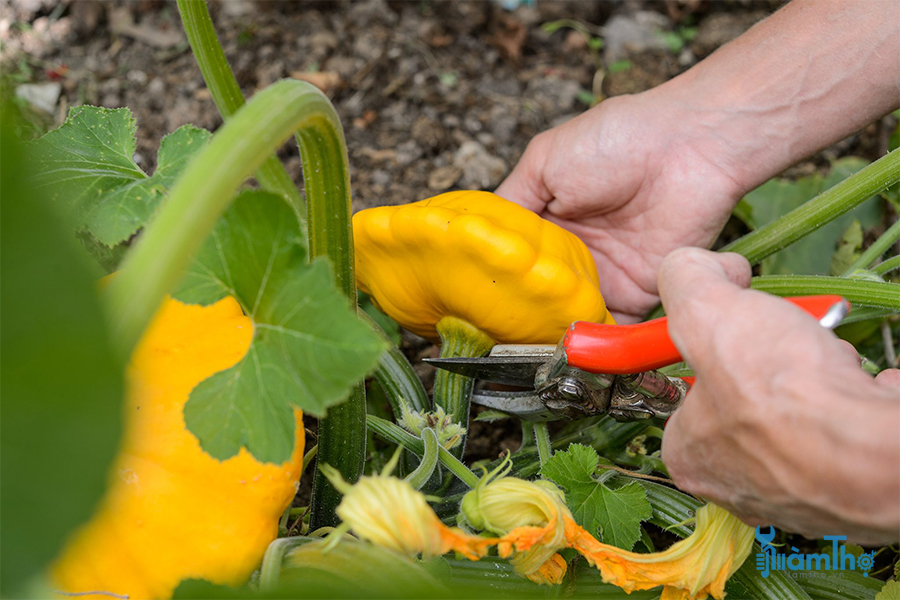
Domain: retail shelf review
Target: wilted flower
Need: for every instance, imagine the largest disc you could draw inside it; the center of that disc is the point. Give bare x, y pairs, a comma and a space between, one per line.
694, 567
535, 523
388, 512
531, 516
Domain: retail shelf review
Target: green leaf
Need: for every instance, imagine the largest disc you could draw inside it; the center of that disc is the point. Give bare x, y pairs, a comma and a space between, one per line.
86, 166
387, 324
617, 514
890, 591
308, 346
849, 248
812, 254
62, 384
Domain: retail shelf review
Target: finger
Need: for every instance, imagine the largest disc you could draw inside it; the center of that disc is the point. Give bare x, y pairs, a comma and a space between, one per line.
889, 378
696, 287
851, 351
525, 185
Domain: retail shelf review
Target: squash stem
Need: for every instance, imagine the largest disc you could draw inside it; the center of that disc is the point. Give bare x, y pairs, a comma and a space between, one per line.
542, 440
822, 209
201, 195
422, 474
452, 391
227, 95
874, 252
862, 292
397, 435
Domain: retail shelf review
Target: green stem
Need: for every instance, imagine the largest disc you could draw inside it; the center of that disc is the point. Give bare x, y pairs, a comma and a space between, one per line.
825, 207
401, 437
452, 391
326, 175
273, 559
873, 252
201, 195
426, 467
878, 294
887, 266
396, 376
542, 439
227, 95
309, 456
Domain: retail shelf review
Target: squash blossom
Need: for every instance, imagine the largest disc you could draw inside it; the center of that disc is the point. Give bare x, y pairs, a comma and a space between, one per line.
530, 516
172, 511
471, 270
535, 523
693, 568
388, 512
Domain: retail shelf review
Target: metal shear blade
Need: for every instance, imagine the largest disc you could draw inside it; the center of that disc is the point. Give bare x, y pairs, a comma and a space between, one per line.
524, 405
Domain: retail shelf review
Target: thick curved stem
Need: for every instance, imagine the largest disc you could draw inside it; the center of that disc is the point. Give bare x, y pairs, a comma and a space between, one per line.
426, 467
199, 198
201, 195
227, 95
452, 391
863, 292
822, 209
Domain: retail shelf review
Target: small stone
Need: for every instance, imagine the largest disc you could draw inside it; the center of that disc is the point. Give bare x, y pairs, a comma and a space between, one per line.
480, 169
623, 35
138, 77
443, 178
428, 133
42, 96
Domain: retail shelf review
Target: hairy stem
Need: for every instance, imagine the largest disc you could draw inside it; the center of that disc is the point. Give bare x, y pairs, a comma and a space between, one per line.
401, 437
873, 252
452, 391
429, 462
201, 195
542, 439
822, 209
863, 292
396, 376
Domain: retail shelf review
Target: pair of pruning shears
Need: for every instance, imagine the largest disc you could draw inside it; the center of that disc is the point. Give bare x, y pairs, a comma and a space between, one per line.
599, 369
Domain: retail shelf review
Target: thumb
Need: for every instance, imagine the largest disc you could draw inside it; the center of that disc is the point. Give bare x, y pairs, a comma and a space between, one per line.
525, 185
695, 286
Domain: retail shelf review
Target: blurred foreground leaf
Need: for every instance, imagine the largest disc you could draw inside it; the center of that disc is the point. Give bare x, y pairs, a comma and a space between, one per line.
62, 384
308, 346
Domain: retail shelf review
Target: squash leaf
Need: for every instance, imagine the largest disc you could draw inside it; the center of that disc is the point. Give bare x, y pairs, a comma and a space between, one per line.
812, 254
62, 382
308, 346
616, 514
86, 166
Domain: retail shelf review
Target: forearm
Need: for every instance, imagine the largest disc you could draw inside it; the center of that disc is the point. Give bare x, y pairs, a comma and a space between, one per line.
806, 77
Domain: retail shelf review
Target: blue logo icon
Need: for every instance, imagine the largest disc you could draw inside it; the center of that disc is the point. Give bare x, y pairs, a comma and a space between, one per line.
770, 559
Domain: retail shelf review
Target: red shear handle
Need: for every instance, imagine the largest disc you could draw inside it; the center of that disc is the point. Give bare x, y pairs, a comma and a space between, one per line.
621, 349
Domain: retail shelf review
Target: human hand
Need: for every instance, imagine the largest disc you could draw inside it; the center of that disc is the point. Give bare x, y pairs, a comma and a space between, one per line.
634, 179
782, 426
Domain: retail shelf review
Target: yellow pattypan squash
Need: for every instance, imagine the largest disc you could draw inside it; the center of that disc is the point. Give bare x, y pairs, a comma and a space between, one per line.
171, 511
478, 258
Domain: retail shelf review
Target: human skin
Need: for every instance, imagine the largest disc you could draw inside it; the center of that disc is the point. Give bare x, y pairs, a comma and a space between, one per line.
782, 427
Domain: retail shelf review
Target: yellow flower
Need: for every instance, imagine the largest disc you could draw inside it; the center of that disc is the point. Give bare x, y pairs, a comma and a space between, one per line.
695, 567
388, 512
531, 516
535, 523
